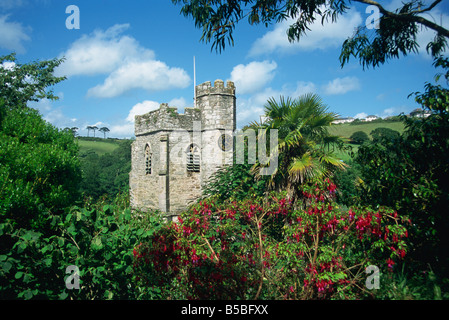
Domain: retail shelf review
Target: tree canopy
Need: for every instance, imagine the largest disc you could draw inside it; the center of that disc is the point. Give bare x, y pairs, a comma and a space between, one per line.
396, 34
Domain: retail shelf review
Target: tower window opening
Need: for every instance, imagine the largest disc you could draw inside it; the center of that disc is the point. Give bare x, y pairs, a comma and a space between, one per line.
147, 160
193, 159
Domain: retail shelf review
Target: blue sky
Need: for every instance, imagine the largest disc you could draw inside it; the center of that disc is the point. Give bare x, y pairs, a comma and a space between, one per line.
127, 57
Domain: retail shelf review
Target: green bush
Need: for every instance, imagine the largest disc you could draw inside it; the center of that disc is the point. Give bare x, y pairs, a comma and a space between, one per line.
359, 137
98, 239
384, 133
411, 174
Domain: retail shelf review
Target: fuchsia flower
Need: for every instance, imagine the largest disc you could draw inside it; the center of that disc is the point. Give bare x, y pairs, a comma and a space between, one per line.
390, 263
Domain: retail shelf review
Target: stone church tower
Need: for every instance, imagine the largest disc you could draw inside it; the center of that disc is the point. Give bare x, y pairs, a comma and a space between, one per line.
175, 154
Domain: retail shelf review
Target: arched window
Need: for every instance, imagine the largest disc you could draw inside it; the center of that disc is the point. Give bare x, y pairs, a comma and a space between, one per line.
193, 158
147, 159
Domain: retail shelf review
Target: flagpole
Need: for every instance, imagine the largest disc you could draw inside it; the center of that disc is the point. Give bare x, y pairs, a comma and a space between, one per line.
194, 83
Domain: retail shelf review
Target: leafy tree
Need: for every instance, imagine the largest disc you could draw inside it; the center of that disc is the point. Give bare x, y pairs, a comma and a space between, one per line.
39, 176
39, 167
21, 83
415, 167
396, 33
96, 238
359, 137
384, 133
347, 181
305, 145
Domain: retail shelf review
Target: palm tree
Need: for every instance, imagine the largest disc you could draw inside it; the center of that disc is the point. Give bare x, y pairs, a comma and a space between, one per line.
104, 130
304, 143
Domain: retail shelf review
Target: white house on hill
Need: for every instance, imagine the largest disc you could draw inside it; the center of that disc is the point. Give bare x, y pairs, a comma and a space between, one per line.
343, 120
371, 118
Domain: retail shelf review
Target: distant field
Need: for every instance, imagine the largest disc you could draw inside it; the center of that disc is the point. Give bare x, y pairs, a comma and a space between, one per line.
99, 147
346, 129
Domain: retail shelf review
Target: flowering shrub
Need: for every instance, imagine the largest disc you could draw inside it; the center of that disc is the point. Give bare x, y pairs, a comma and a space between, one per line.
266, 248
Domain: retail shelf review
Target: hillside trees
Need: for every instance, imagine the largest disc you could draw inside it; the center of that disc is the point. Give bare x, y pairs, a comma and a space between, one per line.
106, 175
384, 133
104, 130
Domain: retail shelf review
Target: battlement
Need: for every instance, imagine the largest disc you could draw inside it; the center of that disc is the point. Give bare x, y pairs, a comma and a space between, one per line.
218, 88
166, 118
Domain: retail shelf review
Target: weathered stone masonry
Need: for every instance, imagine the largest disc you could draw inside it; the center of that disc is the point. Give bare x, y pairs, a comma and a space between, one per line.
175, 154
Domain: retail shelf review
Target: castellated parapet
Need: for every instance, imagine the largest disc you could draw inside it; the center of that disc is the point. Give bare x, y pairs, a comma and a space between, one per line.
175, 154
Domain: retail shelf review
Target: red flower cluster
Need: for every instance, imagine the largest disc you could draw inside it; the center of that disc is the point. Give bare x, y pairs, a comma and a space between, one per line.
220, 251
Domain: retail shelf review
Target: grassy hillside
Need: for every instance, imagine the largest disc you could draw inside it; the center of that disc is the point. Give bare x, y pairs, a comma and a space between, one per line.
346, 129
100, 147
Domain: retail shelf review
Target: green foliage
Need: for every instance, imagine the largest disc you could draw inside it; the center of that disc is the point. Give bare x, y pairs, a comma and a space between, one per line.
411, 174
39, 167
347, 181
20, 83
235, 182
107, 174
305, 146
359, 137
98, 239
384, 133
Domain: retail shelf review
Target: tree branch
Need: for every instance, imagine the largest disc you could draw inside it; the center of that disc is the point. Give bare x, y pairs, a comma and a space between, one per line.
410, 16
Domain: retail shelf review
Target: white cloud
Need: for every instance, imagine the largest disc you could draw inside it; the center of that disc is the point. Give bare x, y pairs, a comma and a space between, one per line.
397, 110
179, 103
9, 4
150, 75
329, 35
125, 130
361, 115
43, 105
102, 52
342, 85
388, 112
12, 35
9, 65
253, 76
127, 64
141, 108
250, 109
